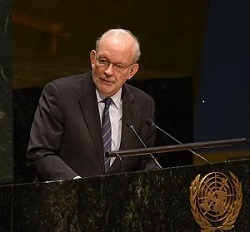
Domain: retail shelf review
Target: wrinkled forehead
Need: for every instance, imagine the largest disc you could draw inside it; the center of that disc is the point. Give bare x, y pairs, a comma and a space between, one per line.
117, 46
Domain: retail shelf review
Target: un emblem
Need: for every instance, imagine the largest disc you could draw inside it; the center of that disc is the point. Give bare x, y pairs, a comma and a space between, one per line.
216, 201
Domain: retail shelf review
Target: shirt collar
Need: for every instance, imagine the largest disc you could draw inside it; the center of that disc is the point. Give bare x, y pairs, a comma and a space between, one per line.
116, 98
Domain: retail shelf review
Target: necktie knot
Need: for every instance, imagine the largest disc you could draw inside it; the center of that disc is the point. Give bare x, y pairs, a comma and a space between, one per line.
107, 102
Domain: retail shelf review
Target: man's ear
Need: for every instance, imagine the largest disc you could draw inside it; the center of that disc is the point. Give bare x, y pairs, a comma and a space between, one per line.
92, 57
133, 70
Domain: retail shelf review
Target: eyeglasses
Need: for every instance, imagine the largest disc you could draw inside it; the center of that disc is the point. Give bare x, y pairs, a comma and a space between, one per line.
117, 67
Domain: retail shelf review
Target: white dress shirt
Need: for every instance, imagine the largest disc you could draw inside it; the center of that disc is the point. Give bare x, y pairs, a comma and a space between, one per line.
115, 114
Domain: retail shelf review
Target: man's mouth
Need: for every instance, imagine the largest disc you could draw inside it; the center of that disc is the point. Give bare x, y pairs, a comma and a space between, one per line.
106, 80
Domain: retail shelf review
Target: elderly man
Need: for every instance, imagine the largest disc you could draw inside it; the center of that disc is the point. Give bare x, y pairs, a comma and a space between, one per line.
81, 117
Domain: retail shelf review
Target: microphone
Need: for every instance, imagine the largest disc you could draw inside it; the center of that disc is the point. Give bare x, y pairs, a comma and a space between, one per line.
130, 126
150, 122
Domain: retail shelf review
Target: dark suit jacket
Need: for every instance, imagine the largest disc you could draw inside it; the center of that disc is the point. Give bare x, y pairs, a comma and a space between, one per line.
66, 140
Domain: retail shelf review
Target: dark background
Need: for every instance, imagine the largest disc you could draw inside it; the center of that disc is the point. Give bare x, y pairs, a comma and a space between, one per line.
171, 35
195, 64
223, 105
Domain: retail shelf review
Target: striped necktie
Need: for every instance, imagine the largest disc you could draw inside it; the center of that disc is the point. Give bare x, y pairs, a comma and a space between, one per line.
106, 131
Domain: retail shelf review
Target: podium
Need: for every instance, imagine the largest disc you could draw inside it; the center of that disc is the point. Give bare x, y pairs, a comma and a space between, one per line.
157, 200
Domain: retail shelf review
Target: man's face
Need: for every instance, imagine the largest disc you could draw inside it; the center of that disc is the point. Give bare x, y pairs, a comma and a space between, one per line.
113, 64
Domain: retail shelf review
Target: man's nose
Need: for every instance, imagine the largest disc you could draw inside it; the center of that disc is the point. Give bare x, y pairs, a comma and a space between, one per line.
109, 69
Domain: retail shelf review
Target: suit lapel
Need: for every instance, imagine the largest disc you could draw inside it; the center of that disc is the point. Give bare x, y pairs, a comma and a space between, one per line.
129, 114
89, 107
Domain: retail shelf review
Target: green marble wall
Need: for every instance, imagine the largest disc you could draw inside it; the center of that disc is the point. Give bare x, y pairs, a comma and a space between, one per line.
6, 161
156, 201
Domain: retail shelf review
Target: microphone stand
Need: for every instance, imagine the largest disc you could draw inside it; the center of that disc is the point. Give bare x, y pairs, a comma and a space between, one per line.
150, 122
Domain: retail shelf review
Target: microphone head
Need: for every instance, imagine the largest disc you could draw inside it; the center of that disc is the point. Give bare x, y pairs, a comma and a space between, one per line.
149, 122
129, 124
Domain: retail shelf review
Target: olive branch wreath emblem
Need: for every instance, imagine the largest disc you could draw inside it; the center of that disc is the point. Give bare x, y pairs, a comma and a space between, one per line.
231, 214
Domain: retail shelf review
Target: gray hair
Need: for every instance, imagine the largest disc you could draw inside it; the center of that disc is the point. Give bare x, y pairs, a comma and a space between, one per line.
120, 31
